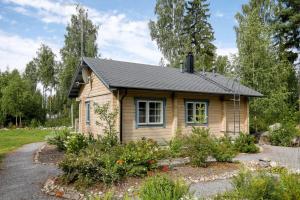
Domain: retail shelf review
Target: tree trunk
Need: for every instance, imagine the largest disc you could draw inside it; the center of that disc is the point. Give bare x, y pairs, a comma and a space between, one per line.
20, 122
16, 121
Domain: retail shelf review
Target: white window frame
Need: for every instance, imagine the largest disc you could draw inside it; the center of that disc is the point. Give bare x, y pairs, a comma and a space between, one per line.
147, 112
194, 112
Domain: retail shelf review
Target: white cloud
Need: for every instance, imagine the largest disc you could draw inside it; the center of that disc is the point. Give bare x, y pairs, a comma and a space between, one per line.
16, 51
1, 17
226, 51
219, 14
119, 37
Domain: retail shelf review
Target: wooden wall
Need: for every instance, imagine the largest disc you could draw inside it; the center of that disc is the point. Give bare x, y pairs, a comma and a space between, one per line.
220, 112
96, 93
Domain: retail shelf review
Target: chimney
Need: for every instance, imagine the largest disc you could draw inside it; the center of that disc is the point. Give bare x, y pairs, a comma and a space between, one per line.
189, 63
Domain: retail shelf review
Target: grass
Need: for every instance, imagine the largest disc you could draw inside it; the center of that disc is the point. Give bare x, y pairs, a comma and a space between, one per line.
15, 138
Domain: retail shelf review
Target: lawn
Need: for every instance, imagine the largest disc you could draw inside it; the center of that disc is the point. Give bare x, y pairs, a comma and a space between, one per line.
13, 139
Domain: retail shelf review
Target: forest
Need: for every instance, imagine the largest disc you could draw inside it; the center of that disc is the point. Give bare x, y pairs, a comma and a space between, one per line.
267, 38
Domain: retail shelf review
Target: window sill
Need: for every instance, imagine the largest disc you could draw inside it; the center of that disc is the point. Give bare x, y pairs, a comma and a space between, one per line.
196, 124
150, 126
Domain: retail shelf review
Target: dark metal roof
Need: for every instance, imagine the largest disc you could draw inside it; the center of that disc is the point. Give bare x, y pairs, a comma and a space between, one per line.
119, 74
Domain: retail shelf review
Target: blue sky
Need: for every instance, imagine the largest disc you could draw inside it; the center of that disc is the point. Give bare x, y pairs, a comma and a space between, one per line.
123, 33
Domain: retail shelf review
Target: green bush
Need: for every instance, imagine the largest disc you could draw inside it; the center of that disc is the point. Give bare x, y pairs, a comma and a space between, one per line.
245, 143
92, 165
176, 145
97, 163
163, 188
284, 135
75, 143
58, 138
199, 146
140, 157
264, 185
223, 149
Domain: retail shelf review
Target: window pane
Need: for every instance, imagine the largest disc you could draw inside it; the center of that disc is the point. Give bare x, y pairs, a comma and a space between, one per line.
87, 109
190, 117
203, 112
155, 112
142, 112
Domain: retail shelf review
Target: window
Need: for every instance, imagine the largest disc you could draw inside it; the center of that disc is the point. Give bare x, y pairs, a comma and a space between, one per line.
87, 112
196, 112
150, 112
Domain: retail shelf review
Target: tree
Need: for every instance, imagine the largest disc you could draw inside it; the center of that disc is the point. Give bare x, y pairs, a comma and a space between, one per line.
222, 65
287, 28
199, 33
31, 73
183, 27
260, 66
79, 30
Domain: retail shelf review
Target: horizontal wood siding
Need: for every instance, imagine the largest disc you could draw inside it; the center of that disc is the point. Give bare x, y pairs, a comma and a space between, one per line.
214, 112
96, 93
132, 132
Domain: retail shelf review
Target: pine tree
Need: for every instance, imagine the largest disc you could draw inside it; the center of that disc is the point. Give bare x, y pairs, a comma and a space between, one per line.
287, 28
200, 33
182, 27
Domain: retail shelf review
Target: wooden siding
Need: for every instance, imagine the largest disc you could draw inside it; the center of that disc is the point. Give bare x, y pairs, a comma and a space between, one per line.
132, 132
220, 112
96, 93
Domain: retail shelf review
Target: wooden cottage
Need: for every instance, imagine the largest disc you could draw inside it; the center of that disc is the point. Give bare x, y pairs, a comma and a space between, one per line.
155, 102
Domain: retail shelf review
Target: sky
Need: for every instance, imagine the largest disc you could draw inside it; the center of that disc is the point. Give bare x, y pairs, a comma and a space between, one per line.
123, 33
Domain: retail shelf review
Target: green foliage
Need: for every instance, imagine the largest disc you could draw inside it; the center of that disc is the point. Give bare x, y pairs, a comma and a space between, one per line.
263, 185
75, 143
108, 122
245, 143
284, 135
223, 150
176, 145
263, 66
108, 164
182, 27
163, 188
199, 146
59, 138
140, 157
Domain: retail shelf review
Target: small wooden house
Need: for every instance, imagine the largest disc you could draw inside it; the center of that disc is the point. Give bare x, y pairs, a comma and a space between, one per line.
155, 102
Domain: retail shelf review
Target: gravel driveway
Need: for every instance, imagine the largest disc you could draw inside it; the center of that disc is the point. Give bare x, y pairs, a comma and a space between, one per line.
285, 156
21, 179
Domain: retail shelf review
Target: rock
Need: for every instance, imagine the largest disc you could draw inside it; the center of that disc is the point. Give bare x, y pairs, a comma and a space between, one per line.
273, 164
296, 141
275, 127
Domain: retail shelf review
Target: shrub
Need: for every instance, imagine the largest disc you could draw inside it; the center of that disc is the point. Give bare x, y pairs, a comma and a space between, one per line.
58, 138
97, 163
140, 157
163, 188
284, 135
223, 149
199, 146
245, 143
76, 142
264, 186
176, 145
92, 165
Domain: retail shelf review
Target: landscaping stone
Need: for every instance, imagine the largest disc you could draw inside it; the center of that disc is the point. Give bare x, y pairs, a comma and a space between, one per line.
173, 162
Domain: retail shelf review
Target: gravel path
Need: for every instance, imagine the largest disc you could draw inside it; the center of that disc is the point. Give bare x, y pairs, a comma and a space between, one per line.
21, 179
285, 156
